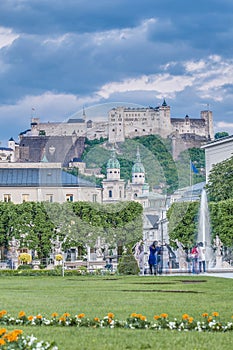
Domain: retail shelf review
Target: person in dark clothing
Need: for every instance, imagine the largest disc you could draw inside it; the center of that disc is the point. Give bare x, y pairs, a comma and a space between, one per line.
153, 258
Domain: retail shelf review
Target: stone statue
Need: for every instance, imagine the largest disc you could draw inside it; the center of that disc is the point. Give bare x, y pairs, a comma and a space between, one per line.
218, 245
14, 245
181, 255
138, 250
56, 246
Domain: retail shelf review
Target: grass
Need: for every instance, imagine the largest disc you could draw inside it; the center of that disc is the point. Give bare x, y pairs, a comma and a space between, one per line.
96, 296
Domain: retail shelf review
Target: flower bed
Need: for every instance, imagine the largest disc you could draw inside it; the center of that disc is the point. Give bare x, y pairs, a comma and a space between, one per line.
209, 323
13, 340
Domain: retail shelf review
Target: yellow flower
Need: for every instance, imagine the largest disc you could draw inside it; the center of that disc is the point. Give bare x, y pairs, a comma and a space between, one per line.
54, 314
133, 315
66, 314
81, 315
185, 316
205, 314
164, 315
25, 257
215, 314
96, 319
110, 315
62, 319
2, 313
156, 317
18, 331
58, 257
30, 318
209, 319
143, 318
21, 314
2, 342
2, 331
39, 317
190, 320
11, 336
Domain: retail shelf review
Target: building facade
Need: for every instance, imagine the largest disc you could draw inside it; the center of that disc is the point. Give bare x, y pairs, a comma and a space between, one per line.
44, 182
217, 151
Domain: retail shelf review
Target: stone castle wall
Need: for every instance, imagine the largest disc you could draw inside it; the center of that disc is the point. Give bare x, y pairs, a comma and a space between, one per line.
124, 122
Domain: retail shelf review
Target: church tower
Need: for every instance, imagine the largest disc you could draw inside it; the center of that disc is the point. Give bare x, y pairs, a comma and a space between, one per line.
138, 186
113, 185
138, 170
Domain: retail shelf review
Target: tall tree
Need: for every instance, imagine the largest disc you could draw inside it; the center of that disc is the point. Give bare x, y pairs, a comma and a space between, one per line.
220, 183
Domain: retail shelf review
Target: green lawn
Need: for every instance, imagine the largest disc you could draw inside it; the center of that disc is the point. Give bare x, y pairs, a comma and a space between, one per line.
96, 296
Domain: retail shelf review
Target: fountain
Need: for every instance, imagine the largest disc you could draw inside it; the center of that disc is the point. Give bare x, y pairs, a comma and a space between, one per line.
204, 234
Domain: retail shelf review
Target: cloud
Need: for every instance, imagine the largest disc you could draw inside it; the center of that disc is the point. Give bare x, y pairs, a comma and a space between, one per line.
60, 57
161, 84
7, 37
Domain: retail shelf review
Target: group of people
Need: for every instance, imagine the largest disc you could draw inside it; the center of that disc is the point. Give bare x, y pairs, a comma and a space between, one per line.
194, 259
197, 258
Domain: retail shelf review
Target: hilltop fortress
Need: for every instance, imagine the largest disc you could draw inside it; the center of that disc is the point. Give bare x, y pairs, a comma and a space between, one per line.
51, 139
125, 122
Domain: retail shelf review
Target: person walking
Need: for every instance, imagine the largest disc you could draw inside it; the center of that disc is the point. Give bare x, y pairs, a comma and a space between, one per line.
201, 257
153, 258
194, 255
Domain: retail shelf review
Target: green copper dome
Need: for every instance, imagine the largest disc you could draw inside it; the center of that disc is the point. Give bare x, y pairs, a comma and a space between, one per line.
113, 162
138, 166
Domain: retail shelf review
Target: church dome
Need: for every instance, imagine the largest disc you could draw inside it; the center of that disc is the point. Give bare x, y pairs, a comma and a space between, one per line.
138, 167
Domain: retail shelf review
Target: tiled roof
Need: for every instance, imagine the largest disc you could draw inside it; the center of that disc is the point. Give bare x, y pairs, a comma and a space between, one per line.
56, 148
154, 220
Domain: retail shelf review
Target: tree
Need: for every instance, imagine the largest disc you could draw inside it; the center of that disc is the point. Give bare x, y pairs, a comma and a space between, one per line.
219, 135
183, 219
128, 264
221, 218
220, 183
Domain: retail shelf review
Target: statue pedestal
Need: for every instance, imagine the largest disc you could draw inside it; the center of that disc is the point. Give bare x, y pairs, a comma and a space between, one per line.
218, 262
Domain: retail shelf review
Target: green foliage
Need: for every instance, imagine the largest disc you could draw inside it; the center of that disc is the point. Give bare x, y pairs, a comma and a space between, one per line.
221, 214
161, 153
25, 267
94, 154
128, 264
183, 222
77, 224
156, 156
197, 157
220, 182
219, 135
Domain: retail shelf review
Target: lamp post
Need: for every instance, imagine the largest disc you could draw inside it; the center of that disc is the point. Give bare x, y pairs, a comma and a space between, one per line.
162, 221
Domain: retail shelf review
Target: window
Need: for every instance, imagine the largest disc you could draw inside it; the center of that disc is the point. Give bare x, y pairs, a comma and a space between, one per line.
25, 197
69, 197
49, 198
7, 198
110, 193
94, 198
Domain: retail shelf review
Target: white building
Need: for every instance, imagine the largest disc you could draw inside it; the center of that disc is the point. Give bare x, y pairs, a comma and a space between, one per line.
217, 151
38, 182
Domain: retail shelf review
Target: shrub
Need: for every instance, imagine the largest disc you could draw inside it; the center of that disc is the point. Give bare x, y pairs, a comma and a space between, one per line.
128, 264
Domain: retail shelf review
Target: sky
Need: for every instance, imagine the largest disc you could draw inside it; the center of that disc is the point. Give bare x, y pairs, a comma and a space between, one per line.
60, 56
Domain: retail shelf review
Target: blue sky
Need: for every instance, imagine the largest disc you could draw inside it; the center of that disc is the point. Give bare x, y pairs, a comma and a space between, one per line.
57, 56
